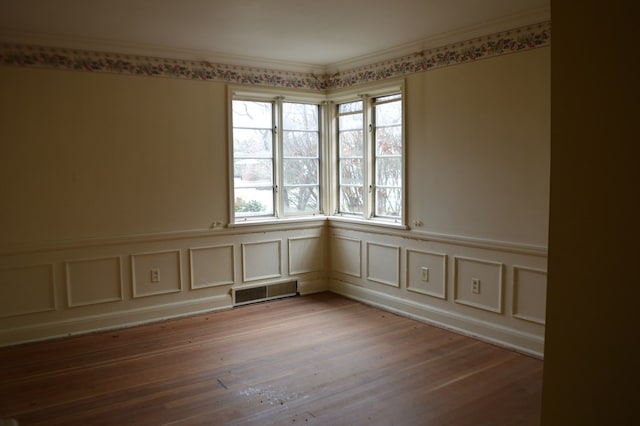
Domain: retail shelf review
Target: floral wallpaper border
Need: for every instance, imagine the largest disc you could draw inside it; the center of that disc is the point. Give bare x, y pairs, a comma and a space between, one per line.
521, 39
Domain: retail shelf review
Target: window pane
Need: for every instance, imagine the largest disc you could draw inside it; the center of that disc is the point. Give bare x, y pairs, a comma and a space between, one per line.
300, 171
389, 202
389, 140
253, 143
388, 156
350, 107
389, 171
350, 122
253, 172
351, 199
253, 201
300, 144
351, 171
301, 199
351, 143
256, 115
299, 116
388, 114
388, 98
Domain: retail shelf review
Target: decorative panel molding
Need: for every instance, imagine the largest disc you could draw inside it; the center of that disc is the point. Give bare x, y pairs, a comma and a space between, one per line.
27, 290
383, 264
261, 260
167, 267
346, 256
497, 44
490, 276
529, 294
92, 281
212, 266
305, 255
427, 273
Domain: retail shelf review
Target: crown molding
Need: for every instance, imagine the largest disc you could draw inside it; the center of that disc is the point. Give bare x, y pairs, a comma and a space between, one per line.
499, 25
153, 51
506, 42
193, 55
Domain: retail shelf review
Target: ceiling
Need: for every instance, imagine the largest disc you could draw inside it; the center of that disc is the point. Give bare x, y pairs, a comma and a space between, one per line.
288, 34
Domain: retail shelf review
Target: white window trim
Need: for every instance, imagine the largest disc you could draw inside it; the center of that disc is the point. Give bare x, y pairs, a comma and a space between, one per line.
328, 149
366, 92
260, 94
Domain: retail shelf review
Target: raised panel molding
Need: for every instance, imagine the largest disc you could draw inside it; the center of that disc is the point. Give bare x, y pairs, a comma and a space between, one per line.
261, 260
383, 264
491, 276
27, 290
212, 266
346, 256
170, 269
436, 280
93, 281
529, 294
305, 255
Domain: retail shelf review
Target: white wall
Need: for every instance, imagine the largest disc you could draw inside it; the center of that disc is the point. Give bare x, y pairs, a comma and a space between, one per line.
105, 176
478, 187
478, 148
95, 155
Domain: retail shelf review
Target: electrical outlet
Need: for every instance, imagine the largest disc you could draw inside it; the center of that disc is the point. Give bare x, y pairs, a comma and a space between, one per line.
155, 275
475, 285
424, 274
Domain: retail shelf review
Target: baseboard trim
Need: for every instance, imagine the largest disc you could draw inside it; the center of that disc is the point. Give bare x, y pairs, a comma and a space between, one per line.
306, 287
492, 333
112, 320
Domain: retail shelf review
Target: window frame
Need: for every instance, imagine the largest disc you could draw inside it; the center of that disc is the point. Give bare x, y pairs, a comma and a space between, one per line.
277, 97
328, 154
368, 94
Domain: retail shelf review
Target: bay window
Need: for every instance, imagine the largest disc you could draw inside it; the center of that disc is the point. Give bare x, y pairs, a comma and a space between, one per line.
295, 156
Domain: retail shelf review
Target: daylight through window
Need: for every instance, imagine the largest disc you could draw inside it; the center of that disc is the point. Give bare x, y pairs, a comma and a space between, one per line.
275, 173
308, 155
370, 152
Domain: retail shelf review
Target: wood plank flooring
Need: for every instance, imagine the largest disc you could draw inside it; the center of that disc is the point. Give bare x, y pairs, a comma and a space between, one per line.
312, 360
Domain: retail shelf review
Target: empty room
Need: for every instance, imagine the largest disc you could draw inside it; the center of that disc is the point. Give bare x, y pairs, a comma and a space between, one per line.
274, 212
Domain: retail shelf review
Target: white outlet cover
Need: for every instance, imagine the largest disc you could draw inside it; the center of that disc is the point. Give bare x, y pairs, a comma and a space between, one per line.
424, 274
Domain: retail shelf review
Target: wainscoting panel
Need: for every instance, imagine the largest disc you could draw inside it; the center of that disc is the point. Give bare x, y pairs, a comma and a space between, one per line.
166, 266
489, 276
306, 255
346, 256
27, 290
529, 294
84, 286
383, 264
427, 273
93, 281
212, 266
261, 260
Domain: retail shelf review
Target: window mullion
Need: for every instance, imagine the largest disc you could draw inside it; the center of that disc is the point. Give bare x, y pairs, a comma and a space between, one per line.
369, 158
278, 189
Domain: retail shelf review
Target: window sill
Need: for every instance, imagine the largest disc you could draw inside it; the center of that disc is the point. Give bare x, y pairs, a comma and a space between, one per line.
267, 222
276, 221
368, 222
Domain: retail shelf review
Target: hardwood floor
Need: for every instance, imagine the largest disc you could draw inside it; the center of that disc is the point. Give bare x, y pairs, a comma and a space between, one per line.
319, 359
